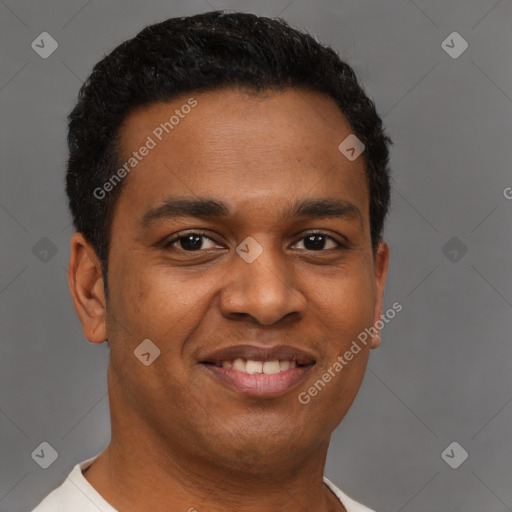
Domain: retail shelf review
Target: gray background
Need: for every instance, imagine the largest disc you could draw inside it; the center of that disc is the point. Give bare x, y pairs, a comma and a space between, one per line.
442, 373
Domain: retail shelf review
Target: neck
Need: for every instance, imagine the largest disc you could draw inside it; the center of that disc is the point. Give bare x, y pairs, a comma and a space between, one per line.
132, 488
141, 470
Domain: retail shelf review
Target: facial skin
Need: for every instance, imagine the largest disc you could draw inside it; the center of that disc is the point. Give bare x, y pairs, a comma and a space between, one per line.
181, 438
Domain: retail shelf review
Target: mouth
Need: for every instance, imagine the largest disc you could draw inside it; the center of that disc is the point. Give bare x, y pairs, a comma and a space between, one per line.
259, 371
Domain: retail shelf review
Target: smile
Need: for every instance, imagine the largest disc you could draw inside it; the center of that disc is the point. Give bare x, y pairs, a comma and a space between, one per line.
250, 366
261, 379
258, 371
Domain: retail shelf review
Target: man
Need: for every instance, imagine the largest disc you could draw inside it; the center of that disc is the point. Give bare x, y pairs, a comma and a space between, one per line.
228, 180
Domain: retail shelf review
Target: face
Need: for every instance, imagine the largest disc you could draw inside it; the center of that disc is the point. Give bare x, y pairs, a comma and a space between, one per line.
265, 274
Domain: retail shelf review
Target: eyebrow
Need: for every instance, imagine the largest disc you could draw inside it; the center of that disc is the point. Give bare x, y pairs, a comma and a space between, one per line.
207, 208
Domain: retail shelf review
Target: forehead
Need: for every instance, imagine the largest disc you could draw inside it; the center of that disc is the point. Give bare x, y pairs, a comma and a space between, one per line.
248, 149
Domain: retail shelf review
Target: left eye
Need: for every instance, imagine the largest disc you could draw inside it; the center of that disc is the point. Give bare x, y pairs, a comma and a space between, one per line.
318, 240
193, 242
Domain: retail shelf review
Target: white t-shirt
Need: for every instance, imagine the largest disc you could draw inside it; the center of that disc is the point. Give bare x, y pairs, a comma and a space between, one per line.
78, 495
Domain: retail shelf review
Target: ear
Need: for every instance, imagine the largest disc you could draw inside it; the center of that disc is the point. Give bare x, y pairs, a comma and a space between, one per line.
381, 270
86, 285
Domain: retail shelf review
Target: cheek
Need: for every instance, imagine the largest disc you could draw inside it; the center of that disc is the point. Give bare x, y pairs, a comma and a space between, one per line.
157, 302
344, 308
344, 302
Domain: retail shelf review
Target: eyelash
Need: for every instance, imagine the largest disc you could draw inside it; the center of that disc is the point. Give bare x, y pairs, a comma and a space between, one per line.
168, 245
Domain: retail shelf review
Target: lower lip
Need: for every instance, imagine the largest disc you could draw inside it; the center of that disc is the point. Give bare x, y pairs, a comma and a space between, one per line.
260, 384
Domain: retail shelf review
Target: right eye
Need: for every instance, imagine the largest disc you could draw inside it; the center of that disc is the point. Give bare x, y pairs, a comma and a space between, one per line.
190, 242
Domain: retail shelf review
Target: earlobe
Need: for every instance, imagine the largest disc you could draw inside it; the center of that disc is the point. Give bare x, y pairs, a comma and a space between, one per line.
86, 285
381, 270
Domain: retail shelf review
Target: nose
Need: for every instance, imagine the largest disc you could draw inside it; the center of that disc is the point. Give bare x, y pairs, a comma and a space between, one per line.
264, 290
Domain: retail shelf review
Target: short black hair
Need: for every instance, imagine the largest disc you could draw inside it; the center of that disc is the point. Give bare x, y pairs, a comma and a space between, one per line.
205, 52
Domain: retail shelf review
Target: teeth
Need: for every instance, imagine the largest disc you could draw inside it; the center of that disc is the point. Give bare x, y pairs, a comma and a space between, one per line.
239, 365
253, 367
270, 367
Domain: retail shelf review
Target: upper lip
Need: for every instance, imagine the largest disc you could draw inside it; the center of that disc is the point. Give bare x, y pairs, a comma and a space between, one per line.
256, 353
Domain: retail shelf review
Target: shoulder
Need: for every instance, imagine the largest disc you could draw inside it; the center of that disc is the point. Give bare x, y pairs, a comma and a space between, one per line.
350, 504
75, 493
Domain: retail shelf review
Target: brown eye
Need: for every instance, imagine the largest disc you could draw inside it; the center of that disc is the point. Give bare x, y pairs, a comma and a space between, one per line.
318, 241
189, 242
195, 242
